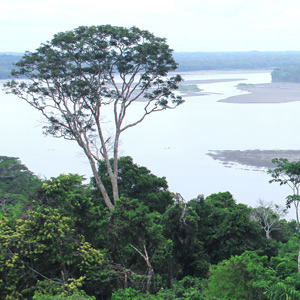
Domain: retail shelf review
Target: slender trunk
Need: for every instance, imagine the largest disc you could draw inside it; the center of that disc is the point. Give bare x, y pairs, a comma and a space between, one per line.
299, 258
114, 180
84, 144
296, 203
103, 192
113, 175
114, 184
150, 274
99, 183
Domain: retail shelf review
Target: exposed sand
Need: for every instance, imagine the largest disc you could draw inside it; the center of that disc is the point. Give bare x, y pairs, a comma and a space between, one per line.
253, 158
277, 92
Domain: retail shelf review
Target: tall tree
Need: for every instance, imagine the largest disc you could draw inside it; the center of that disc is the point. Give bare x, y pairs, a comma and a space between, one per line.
268, 215
84, 75
288, 173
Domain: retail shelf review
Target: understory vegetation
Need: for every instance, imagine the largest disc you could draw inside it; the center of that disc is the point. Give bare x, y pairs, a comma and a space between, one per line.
58, 240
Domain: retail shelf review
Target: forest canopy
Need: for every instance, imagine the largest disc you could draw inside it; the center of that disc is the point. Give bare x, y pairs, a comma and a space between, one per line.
60, 242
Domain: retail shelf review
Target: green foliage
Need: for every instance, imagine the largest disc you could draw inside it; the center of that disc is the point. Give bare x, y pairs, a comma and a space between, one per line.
188, 257
225, 228
243, 277
53, 290
132, 294
41, 246
291, 247
72, 198
66, 245
280, 291
76, 296
189, 288
287, 173
284, 266
136, 182
17, 185
135, 234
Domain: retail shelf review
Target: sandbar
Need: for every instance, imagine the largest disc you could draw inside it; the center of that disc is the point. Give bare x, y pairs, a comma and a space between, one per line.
276, 92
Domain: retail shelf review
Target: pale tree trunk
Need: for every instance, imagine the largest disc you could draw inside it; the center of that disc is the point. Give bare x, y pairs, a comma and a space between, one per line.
150, 268
299, 258
114, 179
296, 203
98, 180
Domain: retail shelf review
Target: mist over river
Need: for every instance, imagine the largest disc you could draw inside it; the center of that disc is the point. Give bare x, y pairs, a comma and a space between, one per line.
175, 143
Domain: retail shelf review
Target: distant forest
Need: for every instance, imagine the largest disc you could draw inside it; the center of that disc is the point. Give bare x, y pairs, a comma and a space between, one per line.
7, 61
286, 74
193, 61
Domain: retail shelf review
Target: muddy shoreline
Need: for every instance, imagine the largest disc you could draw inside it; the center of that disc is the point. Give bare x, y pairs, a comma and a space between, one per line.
276, 92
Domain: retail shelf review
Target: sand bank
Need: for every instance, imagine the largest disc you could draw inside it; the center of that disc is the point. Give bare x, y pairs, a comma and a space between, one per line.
279, 92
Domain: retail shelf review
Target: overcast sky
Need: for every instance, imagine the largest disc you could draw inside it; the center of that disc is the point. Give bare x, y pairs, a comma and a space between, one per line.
188, 25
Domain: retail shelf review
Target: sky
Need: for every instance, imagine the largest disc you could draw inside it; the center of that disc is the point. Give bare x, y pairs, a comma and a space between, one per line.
188, 26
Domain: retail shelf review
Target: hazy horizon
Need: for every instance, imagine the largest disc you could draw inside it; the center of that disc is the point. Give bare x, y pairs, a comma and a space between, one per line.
189, 26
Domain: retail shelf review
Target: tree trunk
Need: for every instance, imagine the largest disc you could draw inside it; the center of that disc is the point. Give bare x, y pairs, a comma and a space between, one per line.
99, 183
150, 268
268, 234
299, 258
150, 276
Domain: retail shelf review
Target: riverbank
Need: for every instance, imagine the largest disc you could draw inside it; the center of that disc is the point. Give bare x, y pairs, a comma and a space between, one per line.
276, 92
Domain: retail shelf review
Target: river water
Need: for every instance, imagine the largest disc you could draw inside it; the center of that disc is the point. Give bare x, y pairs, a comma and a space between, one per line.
174, 143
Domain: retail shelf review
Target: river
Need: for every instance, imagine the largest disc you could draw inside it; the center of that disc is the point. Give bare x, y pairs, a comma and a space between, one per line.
174, 143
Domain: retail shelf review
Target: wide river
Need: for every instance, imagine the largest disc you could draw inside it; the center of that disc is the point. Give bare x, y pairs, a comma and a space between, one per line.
174, 143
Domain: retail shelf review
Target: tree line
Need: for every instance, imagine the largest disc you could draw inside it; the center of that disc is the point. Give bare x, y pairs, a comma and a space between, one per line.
286, 74
235, 60
194, 61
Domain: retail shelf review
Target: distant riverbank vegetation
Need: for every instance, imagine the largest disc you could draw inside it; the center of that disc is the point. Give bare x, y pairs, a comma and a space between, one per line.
286, 74
194, 61
189, 88
7, 61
